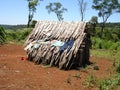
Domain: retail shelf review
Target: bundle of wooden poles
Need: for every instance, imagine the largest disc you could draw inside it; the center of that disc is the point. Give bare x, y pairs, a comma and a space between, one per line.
48, 54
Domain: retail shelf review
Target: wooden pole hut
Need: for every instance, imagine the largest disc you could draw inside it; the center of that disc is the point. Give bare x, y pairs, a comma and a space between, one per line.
58, 43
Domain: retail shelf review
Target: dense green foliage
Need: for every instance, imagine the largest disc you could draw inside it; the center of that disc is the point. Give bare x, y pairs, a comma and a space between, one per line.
110, 38
98, 43
17, 35
2, 35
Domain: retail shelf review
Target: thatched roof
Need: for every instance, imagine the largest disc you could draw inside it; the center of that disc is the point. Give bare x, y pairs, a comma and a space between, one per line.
54, 30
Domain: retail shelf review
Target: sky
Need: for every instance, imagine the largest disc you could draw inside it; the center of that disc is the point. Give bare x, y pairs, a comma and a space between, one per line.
14, 12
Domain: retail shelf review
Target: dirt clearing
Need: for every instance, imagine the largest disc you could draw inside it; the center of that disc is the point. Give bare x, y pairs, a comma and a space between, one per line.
17, 74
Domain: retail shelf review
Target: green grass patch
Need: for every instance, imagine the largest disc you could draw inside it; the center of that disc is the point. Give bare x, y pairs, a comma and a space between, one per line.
107, 54
110, 83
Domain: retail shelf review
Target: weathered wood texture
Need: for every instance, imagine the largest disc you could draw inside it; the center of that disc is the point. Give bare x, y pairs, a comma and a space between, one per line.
64, 31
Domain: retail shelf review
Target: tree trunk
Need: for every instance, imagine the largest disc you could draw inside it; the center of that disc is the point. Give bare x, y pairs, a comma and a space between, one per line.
29, 20
28, 24
82, 17
59, 19
102, 29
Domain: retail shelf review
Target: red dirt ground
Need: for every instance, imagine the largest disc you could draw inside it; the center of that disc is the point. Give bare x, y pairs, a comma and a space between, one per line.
17, 74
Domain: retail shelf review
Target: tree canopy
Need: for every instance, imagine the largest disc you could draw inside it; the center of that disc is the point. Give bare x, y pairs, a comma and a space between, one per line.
105, 9
57, 8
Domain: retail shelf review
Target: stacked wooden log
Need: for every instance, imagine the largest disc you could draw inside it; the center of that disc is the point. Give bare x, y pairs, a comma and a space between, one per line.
45, 32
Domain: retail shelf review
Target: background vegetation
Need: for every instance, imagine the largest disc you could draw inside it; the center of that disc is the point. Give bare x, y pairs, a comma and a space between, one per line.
2, 35
17, 35
110, 39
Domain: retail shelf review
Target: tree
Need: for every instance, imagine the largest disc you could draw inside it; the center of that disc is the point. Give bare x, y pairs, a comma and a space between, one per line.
32, 4
2, 35
33, 23
105, 9
93, 22
57, 9
82, 6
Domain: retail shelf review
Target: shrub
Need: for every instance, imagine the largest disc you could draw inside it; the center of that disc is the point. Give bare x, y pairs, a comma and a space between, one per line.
17, 35
2, 35
98, 43
118, 45
113, 46
33, 23
118, 68
110, 84
90, 81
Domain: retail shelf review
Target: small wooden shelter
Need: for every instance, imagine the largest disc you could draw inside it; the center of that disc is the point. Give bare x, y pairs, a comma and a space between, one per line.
58, 43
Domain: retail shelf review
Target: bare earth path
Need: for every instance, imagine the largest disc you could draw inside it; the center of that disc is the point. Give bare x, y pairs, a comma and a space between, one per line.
17, 74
